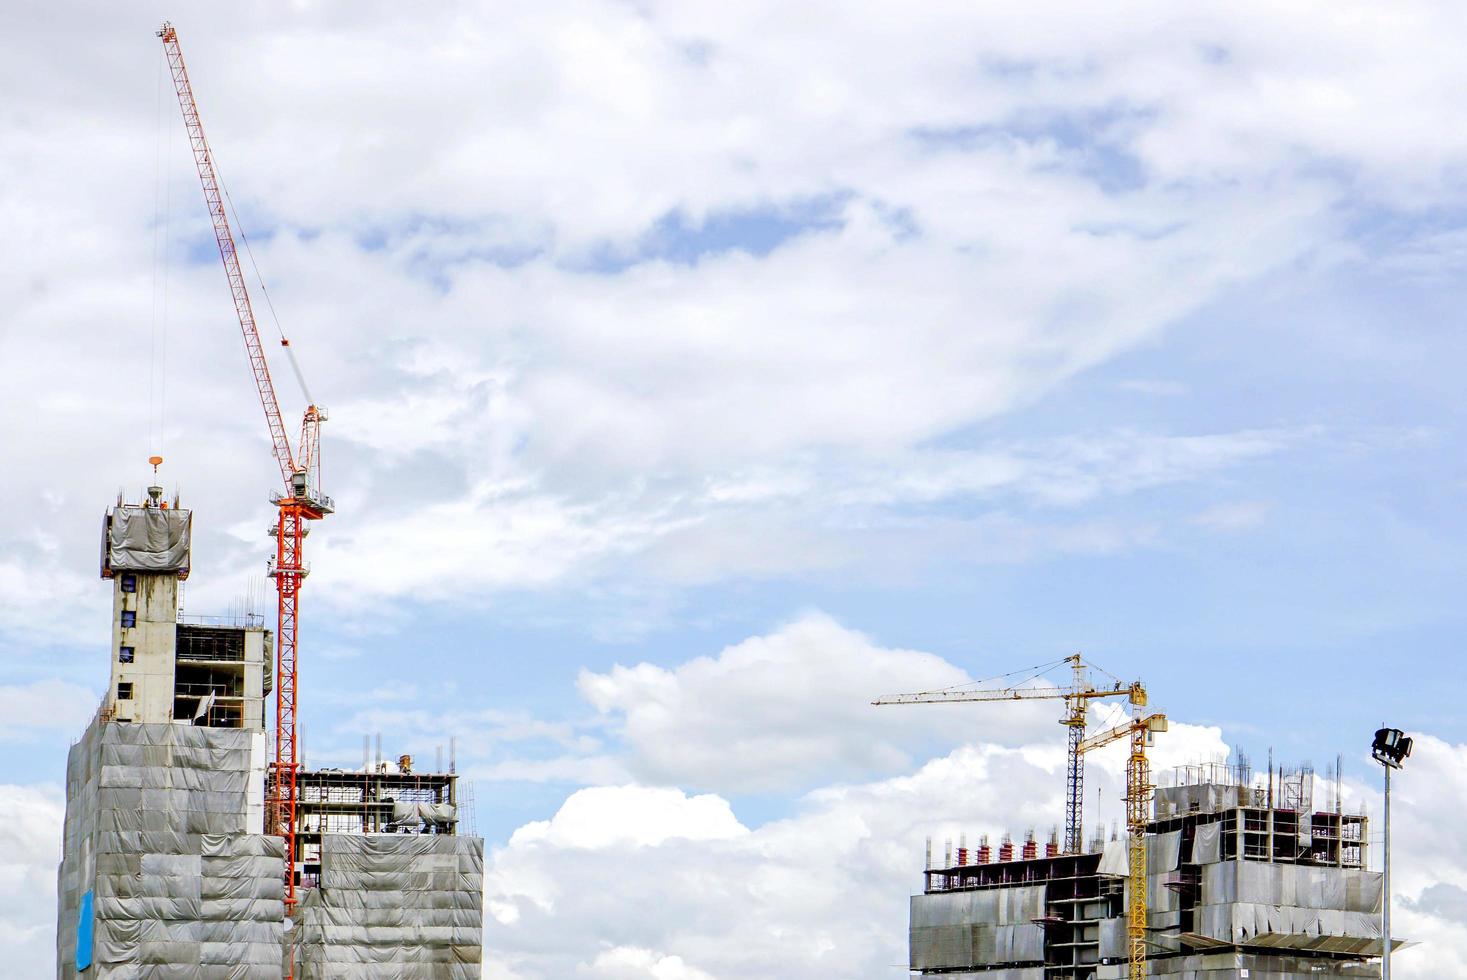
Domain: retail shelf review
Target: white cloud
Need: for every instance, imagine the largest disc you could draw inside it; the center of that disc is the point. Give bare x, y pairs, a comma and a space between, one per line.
30, 850
628, 963
641, 816
788, 710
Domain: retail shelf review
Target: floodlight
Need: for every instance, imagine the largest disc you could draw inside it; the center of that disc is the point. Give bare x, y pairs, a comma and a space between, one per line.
1392, 747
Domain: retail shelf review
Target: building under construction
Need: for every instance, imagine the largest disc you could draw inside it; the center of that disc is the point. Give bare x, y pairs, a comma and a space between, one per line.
1244, 878
167, 869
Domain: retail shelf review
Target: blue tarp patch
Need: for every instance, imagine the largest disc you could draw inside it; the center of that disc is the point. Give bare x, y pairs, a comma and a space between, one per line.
84, 933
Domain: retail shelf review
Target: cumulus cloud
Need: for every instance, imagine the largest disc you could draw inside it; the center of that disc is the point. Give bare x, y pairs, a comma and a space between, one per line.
605, 816
790, 709
821, 892
628, 963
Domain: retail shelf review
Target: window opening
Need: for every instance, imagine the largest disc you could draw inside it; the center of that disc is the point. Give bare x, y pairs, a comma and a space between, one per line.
129, 618
124, 655
129, 583
124, 690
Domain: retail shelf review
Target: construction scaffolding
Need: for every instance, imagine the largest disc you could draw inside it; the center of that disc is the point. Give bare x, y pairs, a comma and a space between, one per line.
334, 801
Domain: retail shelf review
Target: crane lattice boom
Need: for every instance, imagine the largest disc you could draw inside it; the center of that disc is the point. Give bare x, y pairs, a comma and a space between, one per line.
214, 199
301, 501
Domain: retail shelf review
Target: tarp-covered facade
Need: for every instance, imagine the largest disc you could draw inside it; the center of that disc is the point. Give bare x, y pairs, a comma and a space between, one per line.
165, 875
1211, 915
393, 907
962, 929
157, 834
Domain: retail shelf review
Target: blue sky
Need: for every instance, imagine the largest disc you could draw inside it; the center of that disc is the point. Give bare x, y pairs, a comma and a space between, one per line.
699, 374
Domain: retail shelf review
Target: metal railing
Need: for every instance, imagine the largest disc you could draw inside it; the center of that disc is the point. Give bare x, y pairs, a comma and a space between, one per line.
204, 690
241, 621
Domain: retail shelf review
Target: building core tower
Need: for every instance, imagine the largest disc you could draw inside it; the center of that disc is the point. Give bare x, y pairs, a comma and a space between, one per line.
213, 672
145, 552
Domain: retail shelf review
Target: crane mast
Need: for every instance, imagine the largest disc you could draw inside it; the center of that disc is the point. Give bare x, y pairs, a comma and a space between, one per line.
299, 503
1141, 731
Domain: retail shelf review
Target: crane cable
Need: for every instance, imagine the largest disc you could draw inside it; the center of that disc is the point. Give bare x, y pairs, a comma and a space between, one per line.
162, 240
264, 290
1035, 672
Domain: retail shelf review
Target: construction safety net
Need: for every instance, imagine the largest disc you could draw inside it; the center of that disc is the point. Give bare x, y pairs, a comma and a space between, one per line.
392, 907
160, 875
147, 539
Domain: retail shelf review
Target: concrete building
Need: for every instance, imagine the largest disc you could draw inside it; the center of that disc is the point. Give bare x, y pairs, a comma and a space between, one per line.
1244, 881
167, 869
216, 672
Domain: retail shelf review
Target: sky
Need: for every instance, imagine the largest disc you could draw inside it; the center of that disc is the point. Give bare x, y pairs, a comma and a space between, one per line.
698, 373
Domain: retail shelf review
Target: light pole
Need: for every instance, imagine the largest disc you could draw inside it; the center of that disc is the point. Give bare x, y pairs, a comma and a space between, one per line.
1391, 749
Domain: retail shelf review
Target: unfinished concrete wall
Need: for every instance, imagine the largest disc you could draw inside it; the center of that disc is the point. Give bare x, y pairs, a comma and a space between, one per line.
398, 906
159, 866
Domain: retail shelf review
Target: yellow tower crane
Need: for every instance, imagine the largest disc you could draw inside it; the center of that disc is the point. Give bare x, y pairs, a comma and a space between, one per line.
1077, 697
1142, 731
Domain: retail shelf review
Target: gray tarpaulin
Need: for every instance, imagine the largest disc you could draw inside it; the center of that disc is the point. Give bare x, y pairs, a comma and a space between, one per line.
966, 929
1290, 884
1172, 801
405, 906
1163, 852
148, 539
1115, 862
1114, 942
1207, 845
438, 814
1289, 926
1287, 906
156, 821
156, 829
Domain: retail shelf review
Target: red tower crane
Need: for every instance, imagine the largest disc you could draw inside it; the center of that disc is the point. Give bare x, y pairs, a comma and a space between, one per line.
300, 502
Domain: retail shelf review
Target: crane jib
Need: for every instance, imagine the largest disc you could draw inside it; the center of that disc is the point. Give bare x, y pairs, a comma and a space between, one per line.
229, 255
